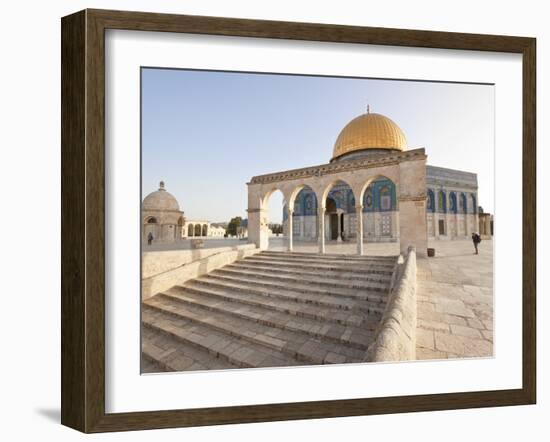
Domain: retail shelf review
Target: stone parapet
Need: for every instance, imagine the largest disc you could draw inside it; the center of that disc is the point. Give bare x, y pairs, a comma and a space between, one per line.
396, 335
163, 270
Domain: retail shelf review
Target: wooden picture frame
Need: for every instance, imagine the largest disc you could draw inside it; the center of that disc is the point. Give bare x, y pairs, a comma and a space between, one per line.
83, 220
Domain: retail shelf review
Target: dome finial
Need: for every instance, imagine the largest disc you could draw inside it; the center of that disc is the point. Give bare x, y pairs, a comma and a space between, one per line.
368, 108
161, 185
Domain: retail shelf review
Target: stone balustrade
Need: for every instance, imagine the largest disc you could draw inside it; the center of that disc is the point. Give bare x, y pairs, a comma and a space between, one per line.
396, 335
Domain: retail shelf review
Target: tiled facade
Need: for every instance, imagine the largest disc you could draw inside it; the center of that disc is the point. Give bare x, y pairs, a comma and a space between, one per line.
451, 209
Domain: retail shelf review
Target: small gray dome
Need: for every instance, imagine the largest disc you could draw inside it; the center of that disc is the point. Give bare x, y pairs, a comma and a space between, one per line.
160, 200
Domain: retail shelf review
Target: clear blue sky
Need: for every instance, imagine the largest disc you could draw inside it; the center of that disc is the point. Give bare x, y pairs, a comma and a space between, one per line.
207, 133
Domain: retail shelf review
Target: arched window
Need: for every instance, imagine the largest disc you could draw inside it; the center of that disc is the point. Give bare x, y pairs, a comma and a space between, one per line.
310, 204
204, 230
474, 204
338, 197
385, 199
463, 203
430, 201
152, 220
453, 207
368, 203
442, 202
190, 230
299, 204
305, 203
197, 230
380, 196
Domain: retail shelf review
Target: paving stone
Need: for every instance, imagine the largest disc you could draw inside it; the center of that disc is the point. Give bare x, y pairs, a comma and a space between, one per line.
426, 353
475, 323
462, 346
425, 338
465, 331
457, 320
454, 307
433, 325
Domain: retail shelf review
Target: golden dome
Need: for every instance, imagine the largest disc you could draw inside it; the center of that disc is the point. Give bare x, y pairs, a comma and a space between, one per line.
369, 131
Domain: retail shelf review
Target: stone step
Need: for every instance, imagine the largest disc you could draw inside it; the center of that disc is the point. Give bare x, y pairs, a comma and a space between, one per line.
282, 279
366, 302
300, 309
292, 270
330, 256
166, 352
344, 335
371, 268
294, 285
340, 279
149, 365
224, 346
275, 330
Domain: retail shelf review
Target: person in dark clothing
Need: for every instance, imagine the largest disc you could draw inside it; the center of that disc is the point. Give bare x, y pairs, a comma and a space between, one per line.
476, 240
149, 238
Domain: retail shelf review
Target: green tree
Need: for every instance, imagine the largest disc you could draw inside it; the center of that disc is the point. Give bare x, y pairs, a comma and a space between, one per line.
233, 225
276, 228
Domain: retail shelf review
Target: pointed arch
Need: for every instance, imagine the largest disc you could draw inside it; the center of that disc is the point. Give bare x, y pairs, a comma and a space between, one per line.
452, 203
442, 201
430, 204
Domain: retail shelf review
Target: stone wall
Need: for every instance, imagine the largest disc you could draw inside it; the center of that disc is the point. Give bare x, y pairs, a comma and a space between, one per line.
396, 336
162, 270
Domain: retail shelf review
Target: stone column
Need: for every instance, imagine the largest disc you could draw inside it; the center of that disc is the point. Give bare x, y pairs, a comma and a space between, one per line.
290, 229
412, 225
359, 223
339, 227
256, 232
321, 220
412, 206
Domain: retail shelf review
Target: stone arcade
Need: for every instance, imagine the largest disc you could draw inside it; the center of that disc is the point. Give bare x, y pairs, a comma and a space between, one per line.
372, 190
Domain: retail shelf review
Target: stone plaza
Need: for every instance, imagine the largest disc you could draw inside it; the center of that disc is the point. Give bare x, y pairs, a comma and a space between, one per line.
454, 299
454, 304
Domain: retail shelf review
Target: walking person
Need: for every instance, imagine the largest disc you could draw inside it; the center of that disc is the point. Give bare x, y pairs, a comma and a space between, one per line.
476, 240
150, 238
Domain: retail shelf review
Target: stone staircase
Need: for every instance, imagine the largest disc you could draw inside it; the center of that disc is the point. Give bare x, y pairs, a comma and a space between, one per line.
271, 309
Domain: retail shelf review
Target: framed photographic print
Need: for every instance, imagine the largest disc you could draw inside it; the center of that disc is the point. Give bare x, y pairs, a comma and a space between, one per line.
270, 220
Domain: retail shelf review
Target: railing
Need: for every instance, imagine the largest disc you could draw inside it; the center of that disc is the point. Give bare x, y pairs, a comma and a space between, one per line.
396, 335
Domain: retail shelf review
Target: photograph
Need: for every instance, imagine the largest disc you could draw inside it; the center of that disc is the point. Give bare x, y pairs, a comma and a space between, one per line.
300, 220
